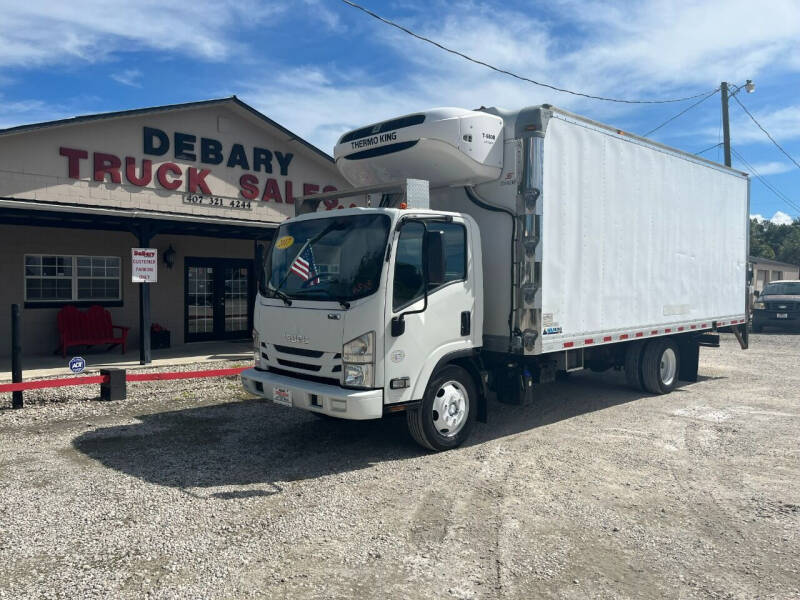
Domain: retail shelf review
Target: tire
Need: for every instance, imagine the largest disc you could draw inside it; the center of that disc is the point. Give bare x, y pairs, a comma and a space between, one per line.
451, 389
660, 366
633, 368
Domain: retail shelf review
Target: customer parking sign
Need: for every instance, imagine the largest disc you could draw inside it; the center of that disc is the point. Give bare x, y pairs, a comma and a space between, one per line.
144, 265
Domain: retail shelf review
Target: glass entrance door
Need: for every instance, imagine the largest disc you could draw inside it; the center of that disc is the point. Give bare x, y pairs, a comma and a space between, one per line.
218, 299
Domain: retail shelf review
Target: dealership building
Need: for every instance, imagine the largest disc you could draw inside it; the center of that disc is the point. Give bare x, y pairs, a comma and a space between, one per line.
201, 183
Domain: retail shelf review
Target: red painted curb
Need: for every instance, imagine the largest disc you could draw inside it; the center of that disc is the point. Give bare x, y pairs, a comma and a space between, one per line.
52, 383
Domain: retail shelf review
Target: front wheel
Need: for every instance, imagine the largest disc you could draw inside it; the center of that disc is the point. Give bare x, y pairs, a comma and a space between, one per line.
447, 413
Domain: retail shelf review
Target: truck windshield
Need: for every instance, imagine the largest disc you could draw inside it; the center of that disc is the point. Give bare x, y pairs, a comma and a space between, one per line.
334, 258
784, 288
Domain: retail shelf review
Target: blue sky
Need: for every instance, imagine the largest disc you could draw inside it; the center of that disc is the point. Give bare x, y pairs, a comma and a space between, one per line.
320, 67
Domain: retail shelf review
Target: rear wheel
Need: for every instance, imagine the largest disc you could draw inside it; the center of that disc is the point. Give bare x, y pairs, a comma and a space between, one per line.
660, 363
447, 413
633, 368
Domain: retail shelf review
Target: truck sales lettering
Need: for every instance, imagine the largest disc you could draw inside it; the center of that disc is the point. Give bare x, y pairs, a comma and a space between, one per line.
110, 168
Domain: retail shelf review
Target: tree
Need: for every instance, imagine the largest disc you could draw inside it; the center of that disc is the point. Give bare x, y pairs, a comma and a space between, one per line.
789, 250
778, 242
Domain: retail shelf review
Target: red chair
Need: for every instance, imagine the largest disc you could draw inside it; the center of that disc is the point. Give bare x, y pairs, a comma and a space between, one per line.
77, 328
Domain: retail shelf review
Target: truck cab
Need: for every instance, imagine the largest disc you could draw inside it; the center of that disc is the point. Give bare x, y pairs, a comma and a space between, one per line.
357, 308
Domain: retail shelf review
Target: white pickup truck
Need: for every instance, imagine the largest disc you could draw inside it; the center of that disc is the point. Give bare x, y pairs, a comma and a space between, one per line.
501, 249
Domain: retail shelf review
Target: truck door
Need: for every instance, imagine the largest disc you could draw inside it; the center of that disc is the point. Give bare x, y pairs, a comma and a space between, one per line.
447, 324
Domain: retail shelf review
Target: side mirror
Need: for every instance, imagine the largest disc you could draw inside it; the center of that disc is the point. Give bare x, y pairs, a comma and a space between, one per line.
434, 241
756, 293
398, 326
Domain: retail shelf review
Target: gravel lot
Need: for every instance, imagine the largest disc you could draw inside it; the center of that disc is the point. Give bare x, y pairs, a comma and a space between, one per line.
196, 490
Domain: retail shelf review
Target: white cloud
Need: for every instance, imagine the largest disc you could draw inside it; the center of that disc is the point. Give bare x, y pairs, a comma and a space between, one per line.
128, 77
769, 168
611, 48
783, 123
633, 49
54, 32
779, 218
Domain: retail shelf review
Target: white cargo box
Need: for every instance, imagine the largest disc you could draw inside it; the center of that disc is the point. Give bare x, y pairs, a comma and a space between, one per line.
635, 238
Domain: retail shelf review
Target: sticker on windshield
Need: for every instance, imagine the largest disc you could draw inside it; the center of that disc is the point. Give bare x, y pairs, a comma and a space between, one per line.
284, 242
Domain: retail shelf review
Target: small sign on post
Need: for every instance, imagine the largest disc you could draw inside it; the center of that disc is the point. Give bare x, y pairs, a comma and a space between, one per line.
77, 364
144, 265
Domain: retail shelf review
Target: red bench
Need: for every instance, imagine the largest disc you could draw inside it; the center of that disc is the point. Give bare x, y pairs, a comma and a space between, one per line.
78, 328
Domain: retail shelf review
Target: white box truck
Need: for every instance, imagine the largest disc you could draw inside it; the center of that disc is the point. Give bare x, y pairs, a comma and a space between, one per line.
500, 249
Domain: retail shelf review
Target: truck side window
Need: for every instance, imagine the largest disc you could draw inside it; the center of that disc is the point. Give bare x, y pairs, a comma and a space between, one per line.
408, 273
455, 247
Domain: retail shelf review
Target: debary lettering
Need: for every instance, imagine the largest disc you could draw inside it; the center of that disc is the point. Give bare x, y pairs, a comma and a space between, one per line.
184, 146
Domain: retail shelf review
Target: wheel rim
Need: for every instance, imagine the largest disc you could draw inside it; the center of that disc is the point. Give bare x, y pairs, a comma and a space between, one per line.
669, 366
450, 408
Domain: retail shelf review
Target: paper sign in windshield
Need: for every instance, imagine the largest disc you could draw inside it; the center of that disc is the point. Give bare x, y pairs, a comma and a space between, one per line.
284, 242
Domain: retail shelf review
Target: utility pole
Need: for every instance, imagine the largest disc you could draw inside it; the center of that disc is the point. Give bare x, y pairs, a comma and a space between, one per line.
726, 129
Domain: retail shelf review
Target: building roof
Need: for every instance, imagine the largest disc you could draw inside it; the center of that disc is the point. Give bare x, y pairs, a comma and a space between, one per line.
230, 101
769, 261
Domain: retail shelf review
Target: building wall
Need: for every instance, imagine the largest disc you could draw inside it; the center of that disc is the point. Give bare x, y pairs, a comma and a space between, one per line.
763, 273
40, 332
85, 163
35, 165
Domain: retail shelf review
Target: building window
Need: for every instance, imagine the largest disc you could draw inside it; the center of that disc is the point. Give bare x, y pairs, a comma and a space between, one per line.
62, 279
776, 276
98, 277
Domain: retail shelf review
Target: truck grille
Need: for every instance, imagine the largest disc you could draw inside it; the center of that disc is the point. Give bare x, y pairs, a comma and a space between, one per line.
303, 363
297, 365
298, 351
305, 376
783, 305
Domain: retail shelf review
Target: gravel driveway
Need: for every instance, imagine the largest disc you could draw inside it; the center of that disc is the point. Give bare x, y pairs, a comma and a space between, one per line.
192, 489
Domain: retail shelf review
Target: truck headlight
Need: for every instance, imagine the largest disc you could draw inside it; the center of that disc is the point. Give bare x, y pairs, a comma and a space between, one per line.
360, 350
359, 376
759, 305
358, 361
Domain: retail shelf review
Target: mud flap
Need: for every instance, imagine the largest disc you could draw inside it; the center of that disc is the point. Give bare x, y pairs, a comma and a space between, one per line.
516, 386
742, 335
690, 359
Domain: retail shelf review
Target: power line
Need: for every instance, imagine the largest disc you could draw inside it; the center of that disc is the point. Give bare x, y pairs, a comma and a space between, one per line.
709, 148
685, 110
768, 185
509, 73
772, 139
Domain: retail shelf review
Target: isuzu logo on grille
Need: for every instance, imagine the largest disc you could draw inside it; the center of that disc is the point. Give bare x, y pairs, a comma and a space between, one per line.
296, 339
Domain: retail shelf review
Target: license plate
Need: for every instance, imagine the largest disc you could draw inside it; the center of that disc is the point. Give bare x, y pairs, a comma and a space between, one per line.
782, 315
282, 396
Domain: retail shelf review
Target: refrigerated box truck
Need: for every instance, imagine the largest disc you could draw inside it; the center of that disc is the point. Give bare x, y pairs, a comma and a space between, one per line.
501, 248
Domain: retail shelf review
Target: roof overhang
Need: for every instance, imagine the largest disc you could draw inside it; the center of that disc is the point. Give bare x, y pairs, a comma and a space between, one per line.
48, 214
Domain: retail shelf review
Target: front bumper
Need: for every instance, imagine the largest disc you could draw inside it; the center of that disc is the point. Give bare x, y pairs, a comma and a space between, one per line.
317, 397
763, 317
